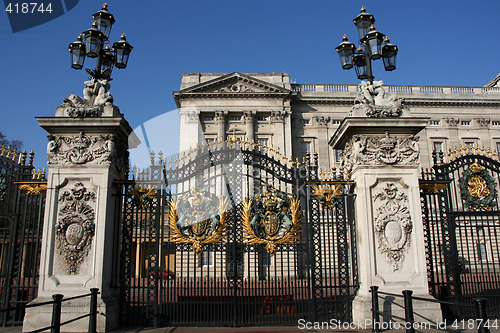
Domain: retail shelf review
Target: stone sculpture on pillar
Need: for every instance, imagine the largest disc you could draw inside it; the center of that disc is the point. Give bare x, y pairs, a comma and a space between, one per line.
96, 101
372, 101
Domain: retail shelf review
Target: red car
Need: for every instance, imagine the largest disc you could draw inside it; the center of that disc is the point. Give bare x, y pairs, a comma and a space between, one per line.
161, 273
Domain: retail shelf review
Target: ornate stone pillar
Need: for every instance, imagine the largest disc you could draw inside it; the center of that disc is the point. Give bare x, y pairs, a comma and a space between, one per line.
87, 151
278, 123
220, 120
248, 120
381, 153
190, 123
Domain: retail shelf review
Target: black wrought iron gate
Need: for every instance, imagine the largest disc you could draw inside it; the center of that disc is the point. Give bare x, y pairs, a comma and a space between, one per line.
462, 230
234, 234
22, 203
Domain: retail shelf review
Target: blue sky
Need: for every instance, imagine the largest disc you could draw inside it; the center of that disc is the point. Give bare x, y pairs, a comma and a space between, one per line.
440, 43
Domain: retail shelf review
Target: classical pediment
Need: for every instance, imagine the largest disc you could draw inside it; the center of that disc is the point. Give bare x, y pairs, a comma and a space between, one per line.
234, 84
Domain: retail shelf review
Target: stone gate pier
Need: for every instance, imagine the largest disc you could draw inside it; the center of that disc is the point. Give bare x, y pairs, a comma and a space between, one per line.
87, 151
380, 150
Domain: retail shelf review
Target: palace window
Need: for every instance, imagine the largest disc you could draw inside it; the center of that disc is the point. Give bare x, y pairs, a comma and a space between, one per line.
435, 122
262, 118
437, 147
263, 142
337, 155
465, 122
304, 122
498, 147
208, 118
235, 118
305, 147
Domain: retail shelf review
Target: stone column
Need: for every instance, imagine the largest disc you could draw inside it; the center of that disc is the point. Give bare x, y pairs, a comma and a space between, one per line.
382, 155
190, 123
87, 151
278, 124
248, 120
220, 120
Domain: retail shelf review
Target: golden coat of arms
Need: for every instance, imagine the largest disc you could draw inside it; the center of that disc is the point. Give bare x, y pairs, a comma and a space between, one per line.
271, 218
198, 218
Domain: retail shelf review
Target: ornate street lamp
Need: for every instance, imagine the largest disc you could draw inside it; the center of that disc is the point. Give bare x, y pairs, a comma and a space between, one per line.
104, 20
346, 51
77, 50
94, 45
389, 53
122, 49
371, 48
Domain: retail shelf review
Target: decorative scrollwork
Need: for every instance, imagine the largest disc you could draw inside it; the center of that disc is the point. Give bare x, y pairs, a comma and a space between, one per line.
75, 226
326, 194
478, 188
198, 219
271, 218
33, 188
393, 224
142, 196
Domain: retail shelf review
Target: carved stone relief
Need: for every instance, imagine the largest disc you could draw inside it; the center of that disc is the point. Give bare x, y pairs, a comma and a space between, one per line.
220, 117
322, 121
380, 150
483, 122
75, 226
452, 122
248, 117
392, 222
278, 116
236, 88
86, 149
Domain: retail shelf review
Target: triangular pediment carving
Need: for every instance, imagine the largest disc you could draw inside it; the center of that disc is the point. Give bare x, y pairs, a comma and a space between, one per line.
235, 83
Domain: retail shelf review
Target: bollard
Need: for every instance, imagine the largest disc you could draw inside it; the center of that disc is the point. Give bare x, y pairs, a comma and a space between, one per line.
93, 310
55, 326
482, 315
375, 314
409, 311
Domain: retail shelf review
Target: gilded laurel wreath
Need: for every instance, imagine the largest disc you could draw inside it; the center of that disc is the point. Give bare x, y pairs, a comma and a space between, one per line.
198, 220
271, 219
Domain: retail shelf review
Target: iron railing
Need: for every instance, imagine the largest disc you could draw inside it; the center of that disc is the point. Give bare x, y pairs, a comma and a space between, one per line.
409, 320
58, 299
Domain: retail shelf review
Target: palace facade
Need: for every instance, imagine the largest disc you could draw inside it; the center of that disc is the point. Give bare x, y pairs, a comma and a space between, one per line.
298, 118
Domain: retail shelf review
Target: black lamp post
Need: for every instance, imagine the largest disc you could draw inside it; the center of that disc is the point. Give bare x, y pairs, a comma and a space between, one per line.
371, 48
94, 45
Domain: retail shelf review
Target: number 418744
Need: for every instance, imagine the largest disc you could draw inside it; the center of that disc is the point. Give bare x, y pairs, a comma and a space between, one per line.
474, 323
28, 8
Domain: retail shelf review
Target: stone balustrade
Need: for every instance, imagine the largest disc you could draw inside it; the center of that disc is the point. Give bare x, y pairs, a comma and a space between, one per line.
347, 88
